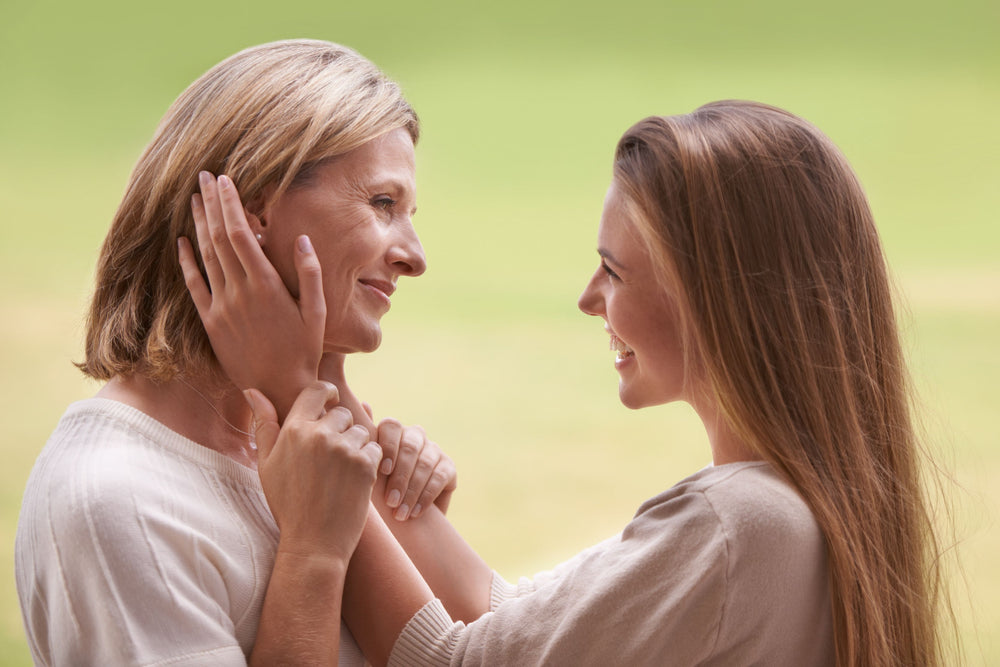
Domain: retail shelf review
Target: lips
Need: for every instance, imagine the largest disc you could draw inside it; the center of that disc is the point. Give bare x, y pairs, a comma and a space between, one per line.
384, 286
618, 346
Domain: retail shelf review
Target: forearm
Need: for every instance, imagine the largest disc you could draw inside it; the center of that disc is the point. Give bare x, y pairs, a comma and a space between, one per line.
300, 619
454, 571
382, 592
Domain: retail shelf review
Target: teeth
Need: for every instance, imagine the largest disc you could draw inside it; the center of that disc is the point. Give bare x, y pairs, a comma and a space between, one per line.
619, 346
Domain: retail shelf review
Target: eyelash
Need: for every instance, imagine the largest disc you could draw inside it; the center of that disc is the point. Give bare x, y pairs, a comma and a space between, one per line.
383, 202
607, 269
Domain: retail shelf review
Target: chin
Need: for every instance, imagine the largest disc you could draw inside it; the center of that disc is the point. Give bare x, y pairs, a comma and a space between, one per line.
635, 400
367, 341
628, 400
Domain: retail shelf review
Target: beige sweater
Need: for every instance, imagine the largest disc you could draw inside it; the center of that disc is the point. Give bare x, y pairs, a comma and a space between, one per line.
137, 546
728, 567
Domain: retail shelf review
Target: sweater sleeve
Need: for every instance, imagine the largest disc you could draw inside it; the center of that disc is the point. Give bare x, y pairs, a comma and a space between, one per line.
727, 567
121, 568
502, 590
655, 593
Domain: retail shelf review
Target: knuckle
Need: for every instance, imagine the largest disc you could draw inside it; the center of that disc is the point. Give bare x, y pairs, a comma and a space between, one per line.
423, 469
342, 416
218, 234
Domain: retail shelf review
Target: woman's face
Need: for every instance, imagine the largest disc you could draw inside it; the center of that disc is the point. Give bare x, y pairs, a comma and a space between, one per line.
639, 314
356, 210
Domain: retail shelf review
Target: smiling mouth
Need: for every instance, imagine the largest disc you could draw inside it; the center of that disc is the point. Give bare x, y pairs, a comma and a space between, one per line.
384, 286
621, 350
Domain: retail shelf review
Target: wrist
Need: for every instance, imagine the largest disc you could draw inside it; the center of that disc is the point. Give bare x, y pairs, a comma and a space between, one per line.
288, 393
321, 565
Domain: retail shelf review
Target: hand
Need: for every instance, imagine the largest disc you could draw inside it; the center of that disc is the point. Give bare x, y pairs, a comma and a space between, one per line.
261, 335
317, 471
419, 472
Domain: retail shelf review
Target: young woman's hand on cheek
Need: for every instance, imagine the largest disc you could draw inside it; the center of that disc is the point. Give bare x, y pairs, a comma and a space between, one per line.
317, 471
261, 335
419, 473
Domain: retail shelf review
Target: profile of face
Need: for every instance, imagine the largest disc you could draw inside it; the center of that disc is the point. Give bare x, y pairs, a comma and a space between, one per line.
640, 315
357, 210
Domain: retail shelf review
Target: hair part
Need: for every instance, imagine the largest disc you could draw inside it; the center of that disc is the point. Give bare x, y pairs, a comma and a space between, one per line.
788, 310
266, 117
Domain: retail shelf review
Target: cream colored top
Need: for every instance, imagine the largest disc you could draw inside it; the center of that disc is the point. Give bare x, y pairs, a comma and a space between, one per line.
137, 546
728, 567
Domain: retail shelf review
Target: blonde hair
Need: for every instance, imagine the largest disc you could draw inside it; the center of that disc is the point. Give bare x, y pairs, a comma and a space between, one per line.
760, 220
265, 117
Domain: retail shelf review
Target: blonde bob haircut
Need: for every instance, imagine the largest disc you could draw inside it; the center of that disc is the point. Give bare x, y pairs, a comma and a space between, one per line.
760, 223
265, 117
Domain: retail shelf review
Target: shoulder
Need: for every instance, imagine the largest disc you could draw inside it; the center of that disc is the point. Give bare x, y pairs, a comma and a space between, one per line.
110, 475
757, 504
749, 497
753, 519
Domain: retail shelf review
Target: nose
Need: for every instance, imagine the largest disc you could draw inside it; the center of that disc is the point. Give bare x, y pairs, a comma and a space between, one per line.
406, 253
591, 301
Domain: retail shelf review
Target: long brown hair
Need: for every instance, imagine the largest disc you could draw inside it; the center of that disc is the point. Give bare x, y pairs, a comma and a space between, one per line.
761, 221
263, 116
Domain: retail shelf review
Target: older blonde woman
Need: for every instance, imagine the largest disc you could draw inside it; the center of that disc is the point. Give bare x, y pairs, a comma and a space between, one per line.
160, 524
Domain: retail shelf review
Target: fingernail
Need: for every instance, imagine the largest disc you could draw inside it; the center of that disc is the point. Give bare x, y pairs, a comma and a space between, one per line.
394, 497
417, 509
402, 512
305, 245
386, 467
224, 182
204, 177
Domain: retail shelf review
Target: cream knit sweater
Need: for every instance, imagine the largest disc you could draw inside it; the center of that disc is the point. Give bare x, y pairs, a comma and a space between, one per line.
137, 546
728, 567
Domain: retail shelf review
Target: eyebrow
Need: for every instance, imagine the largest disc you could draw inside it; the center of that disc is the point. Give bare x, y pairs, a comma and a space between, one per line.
392, 183
606, 254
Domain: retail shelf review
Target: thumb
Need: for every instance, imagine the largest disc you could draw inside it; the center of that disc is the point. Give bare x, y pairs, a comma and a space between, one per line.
265, 421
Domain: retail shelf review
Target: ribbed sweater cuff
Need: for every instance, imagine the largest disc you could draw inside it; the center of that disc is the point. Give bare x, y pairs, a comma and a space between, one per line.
501, 591
427, 639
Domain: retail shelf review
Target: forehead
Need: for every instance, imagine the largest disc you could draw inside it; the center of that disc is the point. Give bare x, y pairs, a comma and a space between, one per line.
387, 158
618, 231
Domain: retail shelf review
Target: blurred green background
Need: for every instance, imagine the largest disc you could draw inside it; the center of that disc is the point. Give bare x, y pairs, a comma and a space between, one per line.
522, 104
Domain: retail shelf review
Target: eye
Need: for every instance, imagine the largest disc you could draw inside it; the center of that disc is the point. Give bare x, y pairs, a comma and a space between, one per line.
607, 270
384, 202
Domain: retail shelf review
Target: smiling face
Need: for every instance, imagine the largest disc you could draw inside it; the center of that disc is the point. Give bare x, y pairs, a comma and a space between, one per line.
640, 315
356, 210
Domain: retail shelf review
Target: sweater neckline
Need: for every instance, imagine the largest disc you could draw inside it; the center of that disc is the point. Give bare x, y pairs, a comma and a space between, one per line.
165, 437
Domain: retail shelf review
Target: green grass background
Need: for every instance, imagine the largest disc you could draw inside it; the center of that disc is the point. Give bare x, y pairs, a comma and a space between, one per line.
522, 103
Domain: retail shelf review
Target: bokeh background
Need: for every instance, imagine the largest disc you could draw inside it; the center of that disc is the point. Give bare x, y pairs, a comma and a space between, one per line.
522, 103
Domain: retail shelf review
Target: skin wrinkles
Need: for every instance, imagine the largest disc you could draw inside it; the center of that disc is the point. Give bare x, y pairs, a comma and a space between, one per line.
357, 211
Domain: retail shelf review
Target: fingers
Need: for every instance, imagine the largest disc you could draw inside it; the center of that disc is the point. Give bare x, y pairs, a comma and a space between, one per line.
426, 463
410, 470
265, 422
312, 305
372, 450
215, 220
193, 279
389, 433
216, 278
312, 402
440, 486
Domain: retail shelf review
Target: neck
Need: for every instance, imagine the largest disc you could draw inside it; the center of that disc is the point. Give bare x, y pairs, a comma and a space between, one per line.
331, 369
209, 410
727, 446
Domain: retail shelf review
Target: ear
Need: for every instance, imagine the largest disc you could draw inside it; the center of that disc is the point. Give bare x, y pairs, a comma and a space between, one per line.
256, 209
